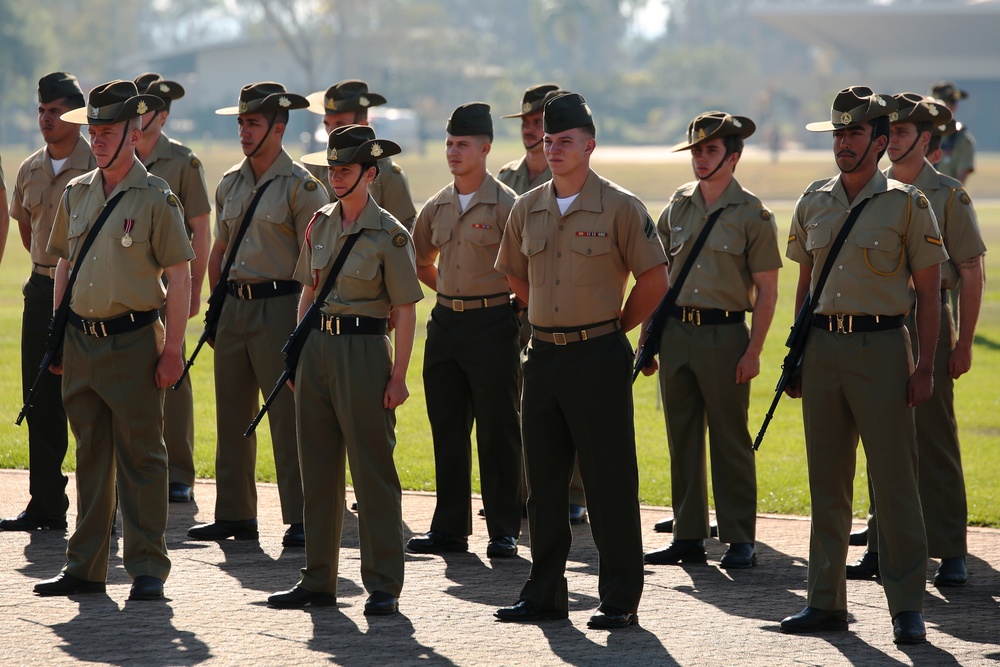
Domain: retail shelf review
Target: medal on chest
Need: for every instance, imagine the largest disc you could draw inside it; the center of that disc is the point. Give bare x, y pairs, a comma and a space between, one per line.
127, 227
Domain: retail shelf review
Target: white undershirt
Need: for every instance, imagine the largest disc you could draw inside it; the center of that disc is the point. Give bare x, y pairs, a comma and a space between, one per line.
57, 165
463, 200
565, 202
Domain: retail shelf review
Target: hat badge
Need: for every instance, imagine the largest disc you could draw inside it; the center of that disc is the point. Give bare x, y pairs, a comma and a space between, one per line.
243, 107
881, 102
95, 112
376, 150
942, 128
526, 107
164, 88
701, 133
737, 123
846, 118
931, 109
363, 101
894, 116
141, 108
332, 155
284, 102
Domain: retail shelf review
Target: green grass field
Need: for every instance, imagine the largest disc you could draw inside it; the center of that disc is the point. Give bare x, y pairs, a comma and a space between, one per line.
783, 486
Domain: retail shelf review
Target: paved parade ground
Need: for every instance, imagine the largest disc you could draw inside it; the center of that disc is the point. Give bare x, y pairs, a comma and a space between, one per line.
215, 611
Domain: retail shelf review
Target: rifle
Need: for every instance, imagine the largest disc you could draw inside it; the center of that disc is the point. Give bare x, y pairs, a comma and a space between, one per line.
218, 296
796, 342
293, 346
792, 364
57, 325
651, 346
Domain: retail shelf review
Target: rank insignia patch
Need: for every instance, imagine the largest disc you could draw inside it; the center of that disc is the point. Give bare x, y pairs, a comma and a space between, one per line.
649, 229
399, 240
933, 240
922, 202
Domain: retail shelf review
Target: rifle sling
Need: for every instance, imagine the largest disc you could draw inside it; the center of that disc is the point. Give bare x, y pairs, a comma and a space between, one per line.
338, 264
240, 233
699, 243
87, 242
838, 243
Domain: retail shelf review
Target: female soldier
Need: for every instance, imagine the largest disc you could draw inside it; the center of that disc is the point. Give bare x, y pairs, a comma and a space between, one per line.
348, 383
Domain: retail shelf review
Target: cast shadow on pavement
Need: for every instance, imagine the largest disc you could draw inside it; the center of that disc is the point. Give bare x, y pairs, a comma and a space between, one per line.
575, 647
967, 612
389, 640
138, 633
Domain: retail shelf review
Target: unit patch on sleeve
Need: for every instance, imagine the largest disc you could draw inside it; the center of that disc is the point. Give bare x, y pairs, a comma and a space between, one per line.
399, 240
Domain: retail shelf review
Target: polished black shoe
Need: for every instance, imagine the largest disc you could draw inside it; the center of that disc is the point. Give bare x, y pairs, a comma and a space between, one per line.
354, 506
381, 603
299, 597
526, 611
951, 572
65, 583
667, 526
436, 542
611, 618
866, 567
145, 587
502, 547
908, 628
859, 538
178, 492
739, 556
30, 521
295, 536
577, 514
222, 529
812, 619
678, 551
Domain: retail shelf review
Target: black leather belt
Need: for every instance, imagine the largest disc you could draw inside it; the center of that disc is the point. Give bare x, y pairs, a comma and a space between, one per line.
251, 291
857, 323
43, 270
116, 325
576, 335
473, 303
705, 316
340, 325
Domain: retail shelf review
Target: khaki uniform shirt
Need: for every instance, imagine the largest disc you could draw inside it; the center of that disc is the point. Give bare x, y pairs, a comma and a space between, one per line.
956, 219
743, 241
380, 272
577, 263
468, 241
271, 245
958, 153
37, 193
390, 190
515, 176
895, 236
181, 169
114, 279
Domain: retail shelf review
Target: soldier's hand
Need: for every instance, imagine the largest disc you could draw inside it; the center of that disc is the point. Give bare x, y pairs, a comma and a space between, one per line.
794, 387
654, 365
56, 368
169, 366
748, 368
959, 362
919, 388
396, 393
195, 304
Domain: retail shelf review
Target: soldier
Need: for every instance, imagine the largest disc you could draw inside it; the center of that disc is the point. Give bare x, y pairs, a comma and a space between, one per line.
858, 377
570, 245
117, 360
347, 103
471, 359
940, 478
259, 311
182, 170
41, 180
520, 176
710, 355
348, 384
958, 149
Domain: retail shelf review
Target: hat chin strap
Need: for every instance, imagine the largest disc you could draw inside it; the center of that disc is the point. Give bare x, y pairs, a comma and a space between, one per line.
120, 144
356, 183
717, 167
912, 146
270, 124
534, 145
861, 159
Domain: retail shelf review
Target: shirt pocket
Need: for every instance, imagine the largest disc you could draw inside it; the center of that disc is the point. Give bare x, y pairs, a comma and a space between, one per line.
441, 235
726, 241
360, 268
883, 250
817, 238
232, 215
273, 210
319, 258
532, 248
677, 240
484, 235
589, 259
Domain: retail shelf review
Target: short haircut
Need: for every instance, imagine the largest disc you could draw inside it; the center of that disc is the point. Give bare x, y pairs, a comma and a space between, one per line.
934, 144
880, 128
280, 116
733, 144
134, 124
361, 116
590, 130
365, 166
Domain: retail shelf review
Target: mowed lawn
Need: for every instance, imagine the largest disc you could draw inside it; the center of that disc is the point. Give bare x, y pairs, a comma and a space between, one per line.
653, 175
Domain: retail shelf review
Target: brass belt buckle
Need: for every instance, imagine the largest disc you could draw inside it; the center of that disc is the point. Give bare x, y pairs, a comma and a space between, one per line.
458, 305
840, 324
559, 338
